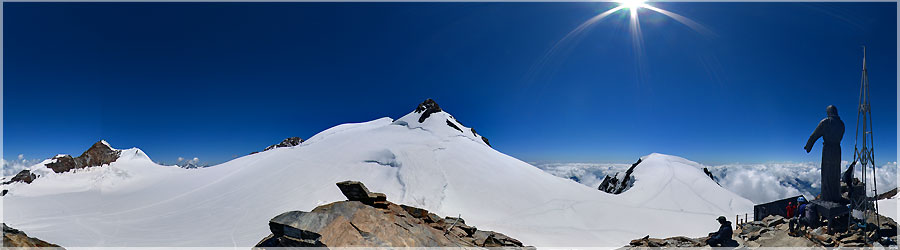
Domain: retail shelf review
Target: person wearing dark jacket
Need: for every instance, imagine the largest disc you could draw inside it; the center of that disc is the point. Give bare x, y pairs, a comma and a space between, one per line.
718, 238
831, 130
805, 215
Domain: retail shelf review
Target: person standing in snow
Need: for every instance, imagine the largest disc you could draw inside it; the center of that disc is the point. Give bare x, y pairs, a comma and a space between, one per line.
831, 130
718, 238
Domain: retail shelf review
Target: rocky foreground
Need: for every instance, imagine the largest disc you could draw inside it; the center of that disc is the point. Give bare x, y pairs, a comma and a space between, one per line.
772, 231
13, 238
367, 219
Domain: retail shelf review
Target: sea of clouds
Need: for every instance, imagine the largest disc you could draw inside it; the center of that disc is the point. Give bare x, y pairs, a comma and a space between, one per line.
757, 182
13, 166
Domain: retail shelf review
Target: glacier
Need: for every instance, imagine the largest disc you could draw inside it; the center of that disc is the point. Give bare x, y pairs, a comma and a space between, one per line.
134, 202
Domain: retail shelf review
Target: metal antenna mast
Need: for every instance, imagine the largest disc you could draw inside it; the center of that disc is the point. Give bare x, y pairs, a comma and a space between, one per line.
865, 156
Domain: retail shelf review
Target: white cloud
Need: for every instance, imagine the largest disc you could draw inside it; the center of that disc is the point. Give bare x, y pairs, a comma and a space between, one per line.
180, 159
13, 167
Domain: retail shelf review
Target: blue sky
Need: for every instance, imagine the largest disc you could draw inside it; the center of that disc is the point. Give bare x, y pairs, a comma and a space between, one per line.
219, 80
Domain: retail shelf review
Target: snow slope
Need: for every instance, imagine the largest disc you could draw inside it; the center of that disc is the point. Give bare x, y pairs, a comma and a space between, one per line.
134, 202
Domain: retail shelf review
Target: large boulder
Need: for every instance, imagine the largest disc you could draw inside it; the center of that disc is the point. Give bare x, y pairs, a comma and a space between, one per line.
360, 222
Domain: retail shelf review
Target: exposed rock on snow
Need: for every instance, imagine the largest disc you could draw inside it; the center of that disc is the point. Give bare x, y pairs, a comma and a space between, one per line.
888, 194
613, 185
23, 176
289, 142
449, 123
427, 108
15, 238
356, 223
711, 176
99, 154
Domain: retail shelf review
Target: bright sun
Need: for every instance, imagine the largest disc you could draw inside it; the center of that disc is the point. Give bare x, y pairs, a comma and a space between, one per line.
632, 4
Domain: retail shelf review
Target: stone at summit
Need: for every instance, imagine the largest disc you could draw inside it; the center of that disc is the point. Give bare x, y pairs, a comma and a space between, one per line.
355, 223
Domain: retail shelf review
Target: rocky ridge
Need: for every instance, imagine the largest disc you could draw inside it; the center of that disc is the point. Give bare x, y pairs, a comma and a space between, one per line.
429, 106
773, 231
14, 238
367, 219
97, 155
287, 142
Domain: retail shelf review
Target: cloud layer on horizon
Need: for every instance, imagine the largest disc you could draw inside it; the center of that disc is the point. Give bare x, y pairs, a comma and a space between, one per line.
757, 182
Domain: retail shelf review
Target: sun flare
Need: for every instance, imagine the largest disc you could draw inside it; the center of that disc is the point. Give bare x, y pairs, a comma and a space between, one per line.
632, 4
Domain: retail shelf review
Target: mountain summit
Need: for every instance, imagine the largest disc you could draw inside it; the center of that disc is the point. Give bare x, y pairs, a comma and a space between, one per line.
437, 164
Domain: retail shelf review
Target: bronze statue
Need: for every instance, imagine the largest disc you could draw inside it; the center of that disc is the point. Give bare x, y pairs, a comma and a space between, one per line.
831, 129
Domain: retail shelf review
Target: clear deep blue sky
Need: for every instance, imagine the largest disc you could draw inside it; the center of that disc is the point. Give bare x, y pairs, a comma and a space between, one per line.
218, 80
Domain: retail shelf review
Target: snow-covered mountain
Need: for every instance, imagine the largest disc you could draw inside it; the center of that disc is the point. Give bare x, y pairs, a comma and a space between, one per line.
425, 159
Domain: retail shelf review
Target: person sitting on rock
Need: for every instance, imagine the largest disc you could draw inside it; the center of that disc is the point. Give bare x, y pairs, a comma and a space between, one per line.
805, 215
719, 238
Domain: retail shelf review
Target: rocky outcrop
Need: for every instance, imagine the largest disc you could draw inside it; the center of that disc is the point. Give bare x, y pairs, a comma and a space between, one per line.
888, 194
449, 123
367, 219
99, 154
677, 241
289, 142
427, 108
15, 238
711, 177
613, 185
773, 231
356, 191
23, 176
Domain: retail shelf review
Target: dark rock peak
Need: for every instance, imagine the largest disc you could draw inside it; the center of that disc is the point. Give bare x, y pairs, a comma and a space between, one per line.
354, 223
613, 185
97, 155
427, 108
289, 142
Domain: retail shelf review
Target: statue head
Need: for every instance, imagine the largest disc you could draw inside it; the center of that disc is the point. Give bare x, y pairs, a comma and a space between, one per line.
831, 110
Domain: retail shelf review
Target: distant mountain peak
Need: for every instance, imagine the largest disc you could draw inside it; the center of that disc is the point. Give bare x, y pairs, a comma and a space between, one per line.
289, 142
101, 153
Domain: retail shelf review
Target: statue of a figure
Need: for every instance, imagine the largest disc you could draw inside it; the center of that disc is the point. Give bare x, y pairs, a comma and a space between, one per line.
831, 129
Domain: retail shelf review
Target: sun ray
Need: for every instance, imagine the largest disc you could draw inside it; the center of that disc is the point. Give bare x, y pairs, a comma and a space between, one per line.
684, 20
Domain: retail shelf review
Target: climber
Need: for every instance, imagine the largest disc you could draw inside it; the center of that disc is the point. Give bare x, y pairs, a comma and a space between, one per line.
721, 237
805, 215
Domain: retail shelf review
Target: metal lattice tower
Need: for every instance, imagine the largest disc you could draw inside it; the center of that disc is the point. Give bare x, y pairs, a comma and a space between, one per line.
865, 156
